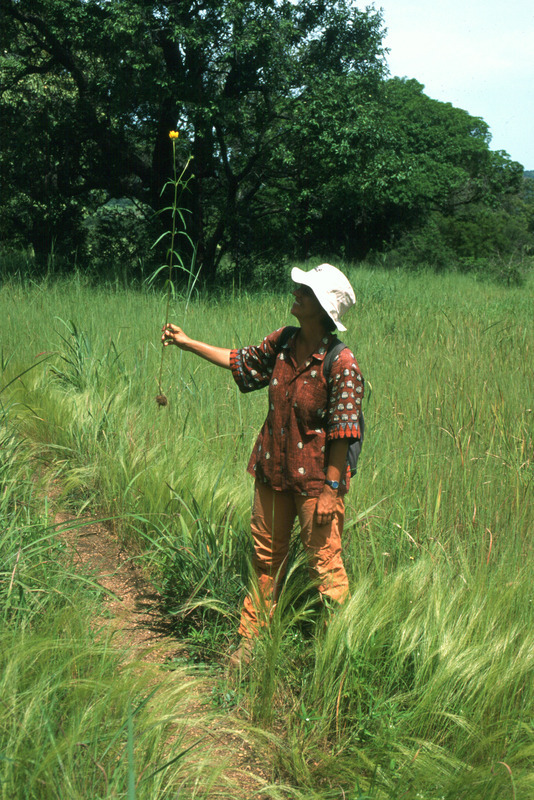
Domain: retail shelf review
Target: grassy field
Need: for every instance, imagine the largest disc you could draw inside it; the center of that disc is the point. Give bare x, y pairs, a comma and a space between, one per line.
423, 686
78, 718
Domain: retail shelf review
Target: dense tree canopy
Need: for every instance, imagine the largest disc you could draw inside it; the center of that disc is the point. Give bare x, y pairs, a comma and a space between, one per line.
299, 142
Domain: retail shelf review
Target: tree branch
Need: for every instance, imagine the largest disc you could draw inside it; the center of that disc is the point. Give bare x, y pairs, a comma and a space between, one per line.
50, 43
41, 69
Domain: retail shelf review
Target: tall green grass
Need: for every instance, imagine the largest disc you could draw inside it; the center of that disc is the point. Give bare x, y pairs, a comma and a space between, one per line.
78, 717
422, 686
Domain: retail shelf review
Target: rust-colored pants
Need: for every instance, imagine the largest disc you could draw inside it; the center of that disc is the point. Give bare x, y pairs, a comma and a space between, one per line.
273, 515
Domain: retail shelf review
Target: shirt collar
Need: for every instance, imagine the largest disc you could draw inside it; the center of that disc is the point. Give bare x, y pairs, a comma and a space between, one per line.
321, 351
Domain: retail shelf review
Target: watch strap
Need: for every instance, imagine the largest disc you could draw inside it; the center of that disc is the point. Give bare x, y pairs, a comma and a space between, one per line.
332, 484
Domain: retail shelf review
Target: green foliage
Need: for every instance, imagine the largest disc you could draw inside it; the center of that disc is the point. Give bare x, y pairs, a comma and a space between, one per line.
118, 235
203, 563
367, 163
39, 158
125, 73
299, 144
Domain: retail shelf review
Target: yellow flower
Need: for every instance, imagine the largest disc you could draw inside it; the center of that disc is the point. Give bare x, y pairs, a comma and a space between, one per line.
173, 135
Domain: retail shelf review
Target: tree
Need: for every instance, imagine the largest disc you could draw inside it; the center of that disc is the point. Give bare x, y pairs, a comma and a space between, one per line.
369, 161
231, 76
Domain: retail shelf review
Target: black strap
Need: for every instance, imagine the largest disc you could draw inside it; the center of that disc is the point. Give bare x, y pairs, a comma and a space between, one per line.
334, 349
286, 335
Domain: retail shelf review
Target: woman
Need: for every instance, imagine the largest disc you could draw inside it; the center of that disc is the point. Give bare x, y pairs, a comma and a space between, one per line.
299, 461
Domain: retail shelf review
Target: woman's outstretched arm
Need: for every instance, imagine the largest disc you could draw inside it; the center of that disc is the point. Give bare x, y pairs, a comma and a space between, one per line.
172, 334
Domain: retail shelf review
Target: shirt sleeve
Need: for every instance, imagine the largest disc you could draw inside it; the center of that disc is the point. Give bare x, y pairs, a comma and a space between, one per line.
345, 391
252, 367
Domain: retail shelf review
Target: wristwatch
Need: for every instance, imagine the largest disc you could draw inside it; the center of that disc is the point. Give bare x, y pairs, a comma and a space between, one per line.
332, 484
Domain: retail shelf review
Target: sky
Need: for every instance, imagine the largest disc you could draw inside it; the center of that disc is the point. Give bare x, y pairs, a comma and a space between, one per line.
476, 54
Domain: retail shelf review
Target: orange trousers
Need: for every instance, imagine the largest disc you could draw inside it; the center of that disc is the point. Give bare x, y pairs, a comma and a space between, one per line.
273, 516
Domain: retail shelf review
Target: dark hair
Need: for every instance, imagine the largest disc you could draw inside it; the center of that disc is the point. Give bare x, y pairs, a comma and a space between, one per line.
329, 324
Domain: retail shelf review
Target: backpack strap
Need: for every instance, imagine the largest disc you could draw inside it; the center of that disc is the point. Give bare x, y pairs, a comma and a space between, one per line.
334, 349
286, 335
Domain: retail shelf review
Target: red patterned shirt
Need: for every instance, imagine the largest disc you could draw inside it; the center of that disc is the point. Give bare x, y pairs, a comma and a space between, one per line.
291, 452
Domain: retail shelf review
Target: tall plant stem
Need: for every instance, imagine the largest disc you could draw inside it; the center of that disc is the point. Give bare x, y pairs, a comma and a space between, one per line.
177, 182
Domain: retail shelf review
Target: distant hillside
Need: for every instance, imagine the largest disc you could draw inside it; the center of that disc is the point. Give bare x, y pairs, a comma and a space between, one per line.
529, 173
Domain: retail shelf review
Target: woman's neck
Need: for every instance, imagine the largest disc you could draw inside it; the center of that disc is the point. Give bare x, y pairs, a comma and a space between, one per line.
309, 338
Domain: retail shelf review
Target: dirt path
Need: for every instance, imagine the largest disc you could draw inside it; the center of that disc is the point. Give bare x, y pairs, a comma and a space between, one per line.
132, 611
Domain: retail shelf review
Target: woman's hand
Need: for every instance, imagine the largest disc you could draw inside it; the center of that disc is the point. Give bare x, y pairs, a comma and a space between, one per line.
337, 465
172, 334
326, 505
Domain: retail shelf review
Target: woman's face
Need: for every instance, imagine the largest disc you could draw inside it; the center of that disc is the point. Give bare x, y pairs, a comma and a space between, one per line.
306, 307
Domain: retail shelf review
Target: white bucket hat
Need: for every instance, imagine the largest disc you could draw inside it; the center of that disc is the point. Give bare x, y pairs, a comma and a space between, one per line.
331, 288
